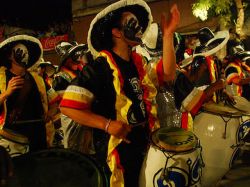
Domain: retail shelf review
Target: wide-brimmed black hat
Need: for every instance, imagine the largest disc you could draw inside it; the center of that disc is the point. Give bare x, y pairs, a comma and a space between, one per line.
66, 50
210, 43
99, 34
236, 49
33, 45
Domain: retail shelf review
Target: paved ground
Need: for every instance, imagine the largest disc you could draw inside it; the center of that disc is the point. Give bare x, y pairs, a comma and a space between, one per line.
239, 174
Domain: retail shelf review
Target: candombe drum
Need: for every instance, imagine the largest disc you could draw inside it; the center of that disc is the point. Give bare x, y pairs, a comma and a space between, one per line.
15, 144
57, 168
220, 131
173, 159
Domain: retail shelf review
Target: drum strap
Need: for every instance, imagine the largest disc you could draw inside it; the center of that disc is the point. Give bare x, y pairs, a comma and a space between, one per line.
225, 129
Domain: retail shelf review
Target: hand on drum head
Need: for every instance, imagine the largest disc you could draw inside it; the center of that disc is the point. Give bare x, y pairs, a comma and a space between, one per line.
119, 130
229, 99
6, 167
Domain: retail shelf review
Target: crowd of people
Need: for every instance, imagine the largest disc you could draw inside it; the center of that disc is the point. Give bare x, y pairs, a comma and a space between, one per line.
107, 96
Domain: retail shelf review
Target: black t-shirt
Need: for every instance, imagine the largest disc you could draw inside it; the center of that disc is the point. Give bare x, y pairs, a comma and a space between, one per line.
132, 89
182, 88
97, 77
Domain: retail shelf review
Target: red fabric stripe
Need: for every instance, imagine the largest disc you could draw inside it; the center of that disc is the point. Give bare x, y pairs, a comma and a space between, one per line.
198, 105
71, 73
119, 73
160, 74
74, 104
117, 158
184, 120
139, 65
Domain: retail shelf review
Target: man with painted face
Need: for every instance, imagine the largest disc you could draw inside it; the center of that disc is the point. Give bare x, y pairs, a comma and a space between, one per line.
116, 97
23, 99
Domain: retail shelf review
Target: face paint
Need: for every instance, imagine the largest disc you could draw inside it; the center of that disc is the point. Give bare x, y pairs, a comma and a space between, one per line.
20, 54
76, 57
131, 28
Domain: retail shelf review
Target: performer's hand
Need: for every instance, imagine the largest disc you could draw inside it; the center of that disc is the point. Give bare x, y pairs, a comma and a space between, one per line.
14, 84
119, 130
6, 167
169, 26
229, 99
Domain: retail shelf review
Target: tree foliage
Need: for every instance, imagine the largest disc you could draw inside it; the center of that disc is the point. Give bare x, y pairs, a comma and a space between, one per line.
220, 8
229, 12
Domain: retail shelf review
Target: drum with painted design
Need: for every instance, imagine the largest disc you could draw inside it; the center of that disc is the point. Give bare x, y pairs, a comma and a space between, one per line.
173, 159
57, 168
15, 144
220, 132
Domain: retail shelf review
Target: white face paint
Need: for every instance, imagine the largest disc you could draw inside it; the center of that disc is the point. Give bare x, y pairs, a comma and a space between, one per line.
21, 54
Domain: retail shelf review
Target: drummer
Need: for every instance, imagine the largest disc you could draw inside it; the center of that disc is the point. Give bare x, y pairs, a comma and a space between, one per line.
118, 99
23, 98
199, 76
237, 71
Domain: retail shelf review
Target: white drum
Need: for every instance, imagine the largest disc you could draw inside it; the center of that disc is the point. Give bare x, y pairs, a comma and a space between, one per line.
219, 130
173, 159
15, 144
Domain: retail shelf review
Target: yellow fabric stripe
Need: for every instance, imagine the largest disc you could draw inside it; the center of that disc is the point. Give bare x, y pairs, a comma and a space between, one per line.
192, 99
3, 89
190, 126
152, 71
122, 104
42, 89
233, 75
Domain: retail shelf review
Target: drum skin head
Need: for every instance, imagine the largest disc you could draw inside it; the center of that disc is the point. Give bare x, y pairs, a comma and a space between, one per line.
174, 139
56, 168
239, 109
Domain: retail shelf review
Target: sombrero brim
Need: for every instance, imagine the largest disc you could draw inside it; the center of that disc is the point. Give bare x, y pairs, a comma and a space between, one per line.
71, 51
213, 46
33, 45
184, 63
98, 26
242, 55
150, 38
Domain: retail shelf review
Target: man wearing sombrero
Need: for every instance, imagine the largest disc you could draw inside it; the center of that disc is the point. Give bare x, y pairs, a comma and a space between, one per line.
237, 71
118, 98
199, 77
23, 98
46, 70
70, 62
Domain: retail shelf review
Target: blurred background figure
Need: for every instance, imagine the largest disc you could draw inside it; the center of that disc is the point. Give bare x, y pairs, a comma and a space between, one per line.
237, 71
74, 57
70, 64
199, 77
23, 98
46, 70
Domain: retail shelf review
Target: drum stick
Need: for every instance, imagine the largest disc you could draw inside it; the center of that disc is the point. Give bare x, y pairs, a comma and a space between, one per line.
28, 121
